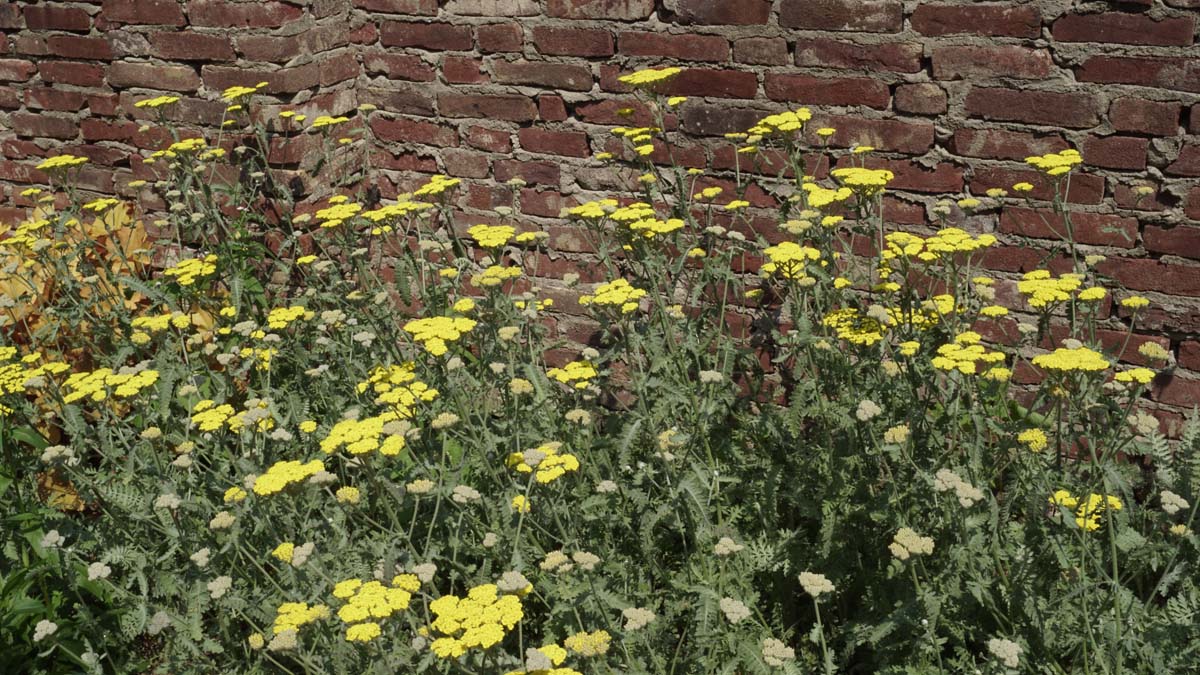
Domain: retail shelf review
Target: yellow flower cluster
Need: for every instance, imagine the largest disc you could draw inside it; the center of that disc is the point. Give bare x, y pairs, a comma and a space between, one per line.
186, 146
477, 621
161, 322
323, 121
555, 655
1042, 290
186, 272
434, 332
1056, 163
908, 543
1034, 439
361, 436
818, 197
1087, 511
156, 102
282, 474
964, 353
384, 215
849, 325
549, 463
947, 241
1067, 360
13, 376
495, 275
95, 384
652, 227
578, 374
589, 644
781, 123
649, 77
616, 293
280, 318
335, 215
368, 603
491, 236
237, 92
865, 182
788, 260
1139, 375
436, 186
595, 209
61, 162
398, 387
293, 615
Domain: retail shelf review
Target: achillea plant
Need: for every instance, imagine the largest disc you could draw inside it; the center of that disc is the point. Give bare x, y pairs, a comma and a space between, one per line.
249, 462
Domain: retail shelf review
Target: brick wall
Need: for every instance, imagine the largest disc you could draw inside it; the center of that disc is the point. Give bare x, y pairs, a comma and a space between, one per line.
953, 94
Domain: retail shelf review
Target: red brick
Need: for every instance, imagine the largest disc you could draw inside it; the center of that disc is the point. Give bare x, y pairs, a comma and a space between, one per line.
827, 91
223, 14
76, 47
761, 51
16, 70
49, 98
100, 130
492, 140
1182, 240
976, 62
399, 66
701, 119
463, 70
547, 204
573, 41
172, 78
1180, 74
902, 57
551, 108
924, 98
10, 17
1075, 110
465, 164
1089, 228
1138, 115
191, 47
500, 37
43, 126
914, 177
534, 173
270, 48
1188, 162
685, 46
613, 10
492, 8
420, 7
1153, 275
1085, 188
1189, 354
909, 137
10, 99
1115, 152
1121, 28
1126, 198
1176, 390
56, 17
991, 19
143, 12
69, 72
332, 70
568, 143
727, 12
281, 81
542, 74
867, 16
1004, 144
1191, 205
1194, 124
400, 97
502, 107
403, 130
432, 36
716, 83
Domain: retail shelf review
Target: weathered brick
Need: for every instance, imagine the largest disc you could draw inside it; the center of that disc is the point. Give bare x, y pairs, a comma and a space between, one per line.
1089, 228
541, 74
224, 14
78, 47
56, 17
143, 12
49, 98
1194, 123
492, 140
1141, 274
923, 98
914, 177
492, 7
1075, 110
536, 173
909, 137
399, 97
573, 41
16, 70
545, 141
684, 46
717, 83
702, 119
903, 57
172, 78
281, 81
1191, 205
728, 12
70, 72
1189, 354
1178, 73
1138, 115
188, 46
991, 19
419, 7
463, 70
465, 164
551, 108
500, 37
43, 125
502, 107
1130, 29
1181, 240
867, 16
399, 66
1188, 161
613, 10
1115, 152
433, 36
761, 51
827, 91
1004, 144
404, 130
1085, 188
977, 62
